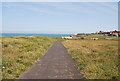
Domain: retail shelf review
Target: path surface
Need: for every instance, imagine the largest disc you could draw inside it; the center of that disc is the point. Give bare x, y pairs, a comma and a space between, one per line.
55, 64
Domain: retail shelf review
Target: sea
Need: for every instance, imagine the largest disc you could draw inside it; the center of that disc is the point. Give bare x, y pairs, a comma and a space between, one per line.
26, 34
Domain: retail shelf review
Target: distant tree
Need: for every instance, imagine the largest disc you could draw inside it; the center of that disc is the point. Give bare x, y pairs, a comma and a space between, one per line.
100, 32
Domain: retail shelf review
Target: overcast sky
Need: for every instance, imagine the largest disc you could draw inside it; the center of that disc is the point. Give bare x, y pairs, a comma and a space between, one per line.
59, 17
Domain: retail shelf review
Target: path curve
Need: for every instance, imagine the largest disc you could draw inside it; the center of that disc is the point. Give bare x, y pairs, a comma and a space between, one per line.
55, 64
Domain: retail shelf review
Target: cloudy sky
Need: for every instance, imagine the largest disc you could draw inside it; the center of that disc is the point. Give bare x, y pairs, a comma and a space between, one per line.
59, 17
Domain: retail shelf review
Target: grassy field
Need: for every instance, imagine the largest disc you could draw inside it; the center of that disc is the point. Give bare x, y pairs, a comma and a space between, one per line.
95, 59
20, 53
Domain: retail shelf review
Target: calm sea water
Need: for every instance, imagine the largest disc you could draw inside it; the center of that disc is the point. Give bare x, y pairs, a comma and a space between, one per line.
24, 34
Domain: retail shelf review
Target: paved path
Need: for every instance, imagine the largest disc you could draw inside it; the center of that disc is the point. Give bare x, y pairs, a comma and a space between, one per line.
55, 64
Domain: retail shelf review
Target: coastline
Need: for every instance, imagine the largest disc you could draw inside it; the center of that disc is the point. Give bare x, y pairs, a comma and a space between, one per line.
27, 34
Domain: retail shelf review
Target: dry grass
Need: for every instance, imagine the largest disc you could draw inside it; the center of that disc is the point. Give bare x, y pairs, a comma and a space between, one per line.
20, 53
96, 59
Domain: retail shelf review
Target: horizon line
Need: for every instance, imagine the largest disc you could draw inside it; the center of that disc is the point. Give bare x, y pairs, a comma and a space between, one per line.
32, 33
53, 33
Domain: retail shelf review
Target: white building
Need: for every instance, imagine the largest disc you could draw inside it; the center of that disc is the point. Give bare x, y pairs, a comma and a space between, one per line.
67, 37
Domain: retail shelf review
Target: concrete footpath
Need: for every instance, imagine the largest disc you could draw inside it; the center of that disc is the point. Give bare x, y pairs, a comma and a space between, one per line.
55, 64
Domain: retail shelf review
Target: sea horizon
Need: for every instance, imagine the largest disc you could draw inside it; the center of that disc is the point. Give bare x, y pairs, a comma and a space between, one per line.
31, 33
34, 34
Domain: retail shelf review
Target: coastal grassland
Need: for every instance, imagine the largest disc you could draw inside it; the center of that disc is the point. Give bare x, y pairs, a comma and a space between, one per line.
95, 59
20, 53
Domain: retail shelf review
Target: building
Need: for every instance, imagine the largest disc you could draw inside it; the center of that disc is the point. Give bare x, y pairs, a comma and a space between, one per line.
116, 33
112, 33
68, 37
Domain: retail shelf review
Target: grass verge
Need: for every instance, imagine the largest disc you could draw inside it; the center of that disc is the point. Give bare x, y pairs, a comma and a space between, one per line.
96, 59
20, 53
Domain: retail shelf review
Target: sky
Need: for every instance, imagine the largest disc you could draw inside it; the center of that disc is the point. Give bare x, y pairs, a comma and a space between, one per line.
59, 17
0, 17
60, 0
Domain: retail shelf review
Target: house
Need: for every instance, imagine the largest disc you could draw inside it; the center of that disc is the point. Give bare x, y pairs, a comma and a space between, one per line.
112, 33
116, 33
107, 34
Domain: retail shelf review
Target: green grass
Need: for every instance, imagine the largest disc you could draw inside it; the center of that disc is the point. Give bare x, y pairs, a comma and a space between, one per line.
96, 59
20, 53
